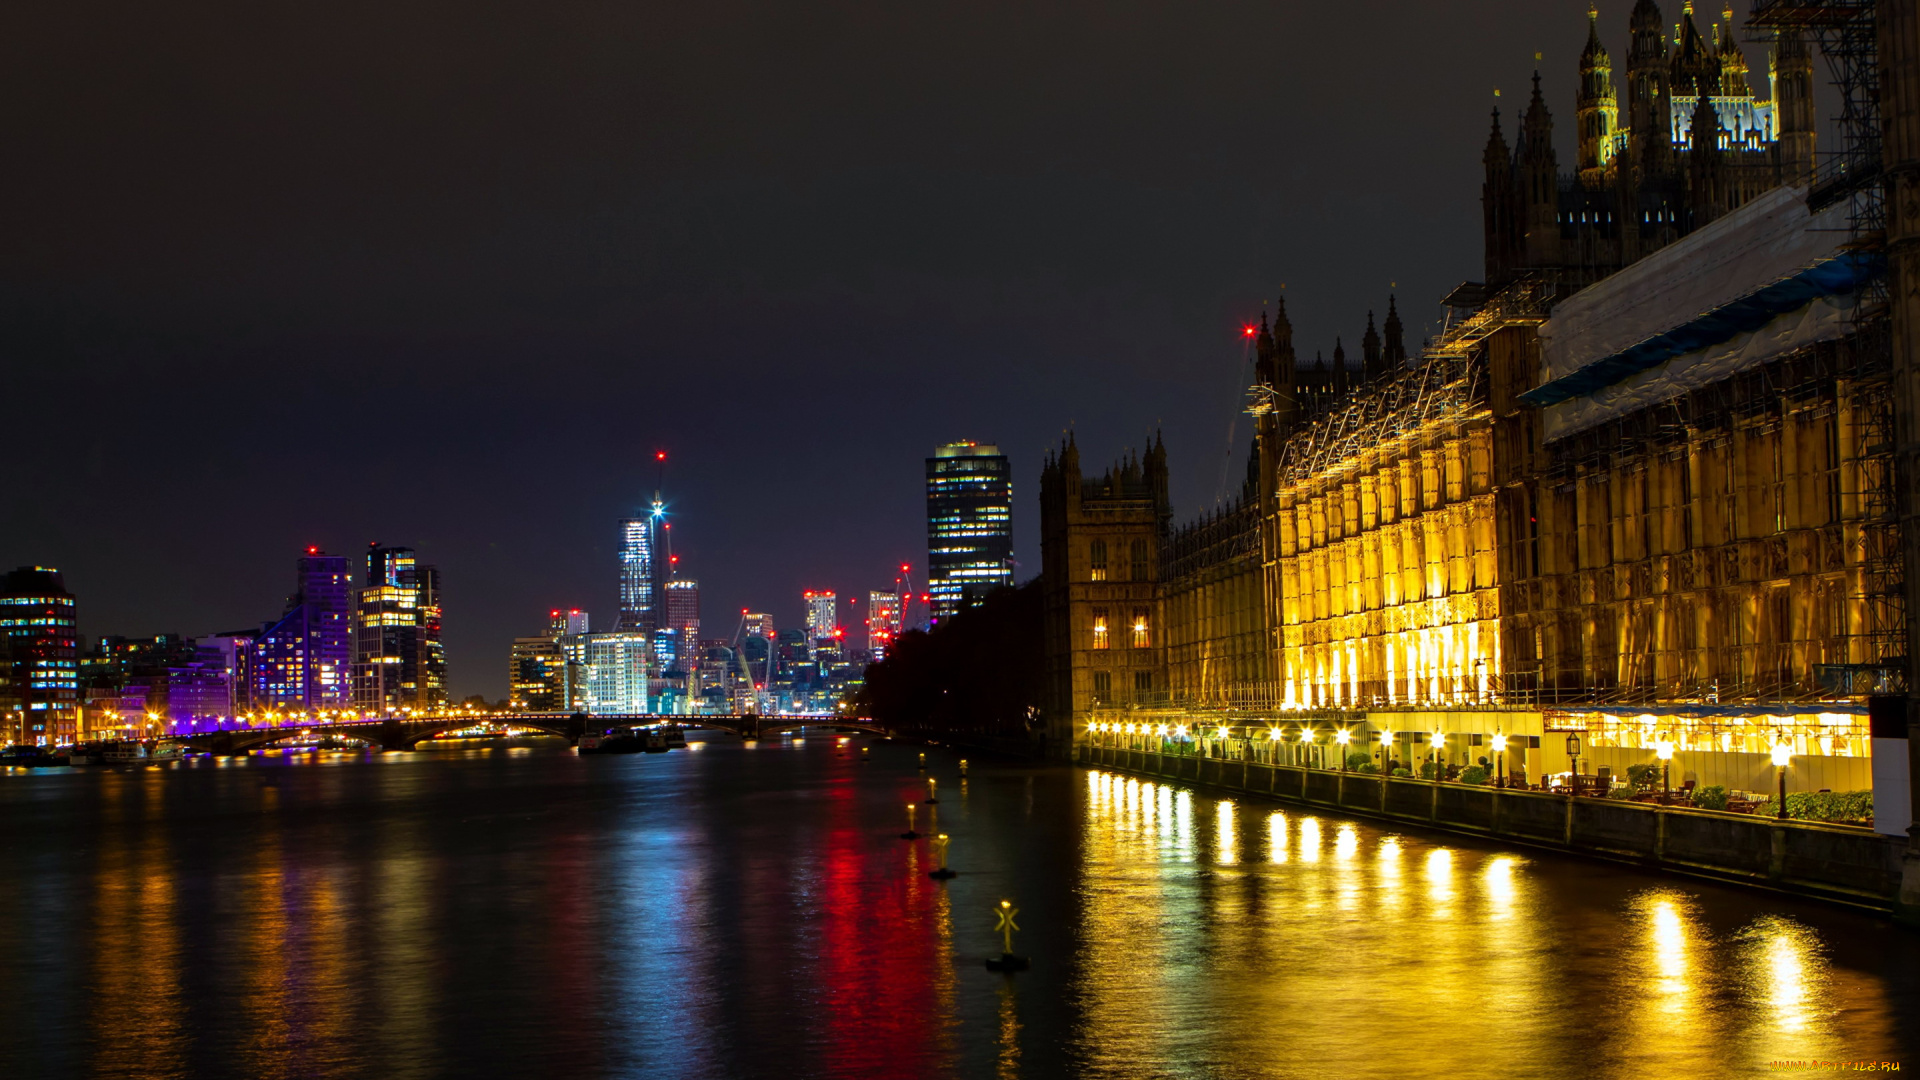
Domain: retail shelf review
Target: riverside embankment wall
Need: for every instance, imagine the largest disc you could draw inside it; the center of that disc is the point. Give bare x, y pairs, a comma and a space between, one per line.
1829, 862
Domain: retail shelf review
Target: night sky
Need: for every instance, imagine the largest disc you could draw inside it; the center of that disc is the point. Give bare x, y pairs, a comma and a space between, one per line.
448, 274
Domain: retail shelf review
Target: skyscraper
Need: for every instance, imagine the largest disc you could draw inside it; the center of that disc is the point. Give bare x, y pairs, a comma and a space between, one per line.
398, 660
883, 623
683, 625
969, 525
304, 660
39, 640
823, 615
537, 676
639, 576
616, 672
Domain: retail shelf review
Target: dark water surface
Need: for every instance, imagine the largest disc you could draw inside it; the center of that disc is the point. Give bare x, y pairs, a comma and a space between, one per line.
749, 911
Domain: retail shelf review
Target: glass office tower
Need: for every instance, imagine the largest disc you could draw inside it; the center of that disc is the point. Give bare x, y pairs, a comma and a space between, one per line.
969, 525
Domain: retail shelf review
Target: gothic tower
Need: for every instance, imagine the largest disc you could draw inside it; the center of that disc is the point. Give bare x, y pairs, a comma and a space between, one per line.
1370, 370
1598, 109
1499, 209
1790, 71
1540, 179
1393, 357
1649, 124
1707, 194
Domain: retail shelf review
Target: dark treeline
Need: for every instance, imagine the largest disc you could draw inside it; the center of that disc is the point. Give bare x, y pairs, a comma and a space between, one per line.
975, 678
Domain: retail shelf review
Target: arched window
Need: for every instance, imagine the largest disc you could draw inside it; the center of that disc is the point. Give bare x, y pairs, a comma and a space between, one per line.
1097, 560
1138, 553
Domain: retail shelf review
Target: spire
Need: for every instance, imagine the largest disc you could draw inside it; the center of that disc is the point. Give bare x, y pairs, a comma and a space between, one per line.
1597, 111
1394, 352
1282, 329
1594, 52
1370, 351
1497, 153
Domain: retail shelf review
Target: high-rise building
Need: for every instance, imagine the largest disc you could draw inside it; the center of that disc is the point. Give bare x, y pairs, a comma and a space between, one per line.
883, 623
398, 658
616, 672
566, 623
823, 616
683, 625
304, 660
41, 637
969, 525
639, 577
537, 676
757, 624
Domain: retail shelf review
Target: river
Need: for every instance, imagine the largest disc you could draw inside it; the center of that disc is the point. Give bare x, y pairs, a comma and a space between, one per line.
495, 909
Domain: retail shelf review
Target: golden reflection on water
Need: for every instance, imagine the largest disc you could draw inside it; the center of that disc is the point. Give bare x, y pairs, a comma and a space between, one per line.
135, 939
1784, 975
1368, 932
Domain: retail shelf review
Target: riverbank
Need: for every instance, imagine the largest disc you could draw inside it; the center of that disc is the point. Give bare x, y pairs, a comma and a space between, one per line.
1839, 864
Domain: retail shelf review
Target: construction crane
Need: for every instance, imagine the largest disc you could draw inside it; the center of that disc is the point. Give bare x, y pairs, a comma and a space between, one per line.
758, 703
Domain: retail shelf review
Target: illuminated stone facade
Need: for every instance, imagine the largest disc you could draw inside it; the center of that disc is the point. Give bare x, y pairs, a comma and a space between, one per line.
1100, 547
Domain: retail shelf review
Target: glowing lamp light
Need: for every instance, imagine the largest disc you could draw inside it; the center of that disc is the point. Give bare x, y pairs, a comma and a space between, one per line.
1781, 755
1499, 743
1438, 739
1663, 750
1222, 733
1343, 736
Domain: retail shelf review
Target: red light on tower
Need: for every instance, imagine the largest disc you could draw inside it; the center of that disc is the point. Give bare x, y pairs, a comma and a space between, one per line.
659, 455
1247, 330
673, 558
311, 550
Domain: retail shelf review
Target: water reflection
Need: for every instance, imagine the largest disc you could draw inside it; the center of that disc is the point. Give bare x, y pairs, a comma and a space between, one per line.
492, 912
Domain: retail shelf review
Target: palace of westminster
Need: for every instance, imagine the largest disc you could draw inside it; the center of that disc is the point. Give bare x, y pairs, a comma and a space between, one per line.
1640, 487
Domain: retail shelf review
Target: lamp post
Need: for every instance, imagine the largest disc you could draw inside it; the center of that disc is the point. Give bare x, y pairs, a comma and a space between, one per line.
1438, 740
1781, 756
1306, 740
1499, 760
1573, 755
1386, 752
1664, 751
1342, 737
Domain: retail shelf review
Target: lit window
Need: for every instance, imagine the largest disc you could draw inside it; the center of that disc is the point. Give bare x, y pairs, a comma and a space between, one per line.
1097, 560
1140, 639
1100, 628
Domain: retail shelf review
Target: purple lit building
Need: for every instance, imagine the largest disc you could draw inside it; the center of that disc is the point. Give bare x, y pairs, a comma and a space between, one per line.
304, 661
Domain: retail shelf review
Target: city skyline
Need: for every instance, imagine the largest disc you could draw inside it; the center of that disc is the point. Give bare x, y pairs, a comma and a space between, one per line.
1128, 282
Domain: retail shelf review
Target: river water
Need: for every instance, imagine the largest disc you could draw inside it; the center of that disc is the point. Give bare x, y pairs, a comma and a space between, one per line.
732, 910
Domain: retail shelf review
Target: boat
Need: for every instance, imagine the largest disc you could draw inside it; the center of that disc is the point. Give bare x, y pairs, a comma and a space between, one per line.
25, 757
166, 750
124, 752
86, 753
656, 741
613, 741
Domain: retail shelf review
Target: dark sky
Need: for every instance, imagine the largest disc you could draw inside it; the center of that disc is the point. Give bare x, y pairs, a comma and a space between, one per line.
447, 274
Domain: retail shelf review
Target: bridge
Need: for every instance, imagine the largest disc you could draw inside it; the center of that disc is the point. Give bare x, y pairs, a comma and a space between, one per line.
407, 732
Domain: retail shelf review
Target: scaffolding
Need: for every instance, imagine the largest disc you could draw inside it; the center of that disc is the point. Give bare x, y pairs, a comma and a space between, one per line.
1847, 34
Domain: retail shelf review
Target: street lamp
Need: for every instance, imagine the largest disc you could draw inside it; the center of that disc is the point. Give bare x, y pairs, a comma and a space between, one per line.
1386, 752
1573, 755
1437, 740
1781, 756
1342, 737
1499, 760
1664, 751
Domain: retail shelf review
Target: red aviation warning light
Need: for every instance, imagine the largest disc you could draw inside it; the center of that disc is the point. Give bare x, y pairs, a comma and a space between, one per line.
311, 550
659, 455
1247, 330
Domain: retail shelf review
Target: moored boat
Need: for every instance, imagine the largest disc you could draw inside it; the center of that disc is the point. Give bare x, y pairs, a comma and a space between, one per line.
614, 741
